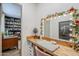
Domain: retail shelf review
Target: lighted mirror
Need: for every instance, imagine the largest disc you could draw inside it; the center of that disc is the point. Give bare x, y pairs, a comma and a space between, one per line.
58, 25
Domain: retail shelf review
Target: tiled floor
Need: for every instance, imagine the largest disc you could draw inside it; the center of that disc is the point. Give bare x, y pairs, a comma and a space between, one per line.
13, 52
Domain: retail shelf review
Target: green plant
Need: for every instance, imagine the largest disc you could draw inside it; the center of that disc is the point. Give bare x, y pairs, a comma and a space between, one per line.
75, 26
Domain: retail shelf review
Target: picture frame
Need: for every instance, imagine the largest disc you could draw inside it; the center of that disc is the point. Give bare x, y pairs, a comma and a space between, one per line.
64, 30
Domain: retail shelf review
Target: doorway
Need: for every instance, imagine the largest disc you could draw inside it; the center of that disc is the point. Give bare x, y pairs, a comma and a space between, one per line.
11, 29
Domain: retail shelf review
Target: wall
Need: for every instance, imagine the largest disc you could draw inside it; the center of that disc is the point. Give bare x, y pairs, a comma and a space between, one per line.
2, 23
1, 31
28, 23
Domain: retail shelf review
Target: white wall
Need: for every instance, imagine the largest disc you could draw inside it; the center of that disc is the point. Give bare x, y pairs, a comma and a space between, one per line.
2, 23
31, 16
28, 23
1, 31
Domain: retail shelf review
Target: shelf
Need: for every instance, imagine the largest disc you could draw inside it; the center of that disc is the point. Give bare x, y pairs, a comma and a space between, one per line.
12, 25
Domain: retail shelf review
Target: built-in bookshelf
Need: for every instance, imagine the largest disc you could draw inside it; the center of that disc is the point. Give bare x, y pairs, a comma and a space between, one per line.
12, 25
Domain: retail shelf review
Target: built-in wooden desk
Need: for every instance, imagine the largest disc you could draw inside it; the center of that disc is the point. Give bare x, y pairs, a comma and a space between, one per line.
62, 51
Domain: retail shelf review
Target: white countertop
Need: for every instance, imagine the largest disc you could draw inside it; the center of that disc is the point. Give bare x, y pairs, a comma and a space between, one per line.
6, 37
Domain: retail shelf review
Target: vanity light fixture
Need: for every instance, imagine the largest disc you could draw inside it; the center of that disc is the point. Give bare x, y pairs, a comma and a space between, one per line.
70, 29
70, 35
71, 13
64, 13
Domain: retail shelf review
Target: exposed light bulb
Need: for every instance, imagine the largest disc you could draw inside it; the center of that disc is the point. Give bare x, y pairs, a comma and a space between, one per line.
70, 29
71, 24
71, 13
70, 35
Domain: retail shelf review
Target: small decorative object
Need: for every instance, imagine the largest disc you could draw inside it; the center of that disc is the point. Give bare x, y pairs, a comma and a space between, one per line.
35, 31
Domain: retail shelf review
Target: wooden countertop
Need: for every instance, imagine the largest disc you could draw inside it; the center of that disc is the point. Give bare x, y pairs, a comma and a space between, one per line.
62, 51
